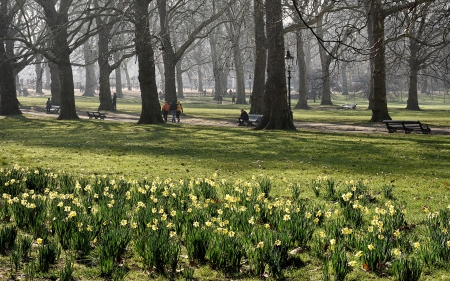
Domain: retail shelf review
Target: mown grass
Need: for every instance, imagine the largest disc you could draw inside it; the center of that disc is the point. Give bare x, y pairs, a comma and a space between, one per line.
418, 165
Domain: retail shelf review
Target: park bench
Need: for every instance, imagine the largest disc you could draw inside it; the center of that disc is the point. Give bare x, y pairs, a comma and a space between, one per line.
96, 115
407, 126
348, 106
253, 119
54, 109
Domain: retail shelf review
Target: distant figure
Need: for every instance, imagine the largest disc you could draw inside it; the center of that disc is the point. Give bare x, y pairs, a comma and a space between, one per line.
179, 110
165, 110
48, 106
243, 118
161, 95
173, 110
114, 102
233, 99
230, 92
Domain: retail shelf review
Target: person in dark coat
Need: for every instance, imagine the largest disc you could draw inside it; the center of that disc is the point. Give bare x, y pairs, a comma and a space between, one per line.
114, 102
173, 110
243, 118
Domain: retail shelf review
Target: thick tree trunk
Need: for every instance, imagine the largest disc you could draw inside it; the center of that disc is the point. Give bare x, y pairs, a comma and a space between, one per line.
55, 83
151, 109
104, 67
58, 23
9, 105
259, 77
90, 83
379, 109
276, 113
68, 111
302, 81
413, 101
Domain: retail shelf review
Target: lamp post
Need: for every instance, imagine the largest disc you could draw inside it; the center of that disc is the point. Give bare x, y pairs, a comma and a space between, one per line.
289, 61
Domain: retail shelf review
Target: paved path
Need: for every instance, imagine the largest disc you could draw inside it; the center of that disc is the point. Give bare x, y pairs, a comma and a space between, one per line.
318, 126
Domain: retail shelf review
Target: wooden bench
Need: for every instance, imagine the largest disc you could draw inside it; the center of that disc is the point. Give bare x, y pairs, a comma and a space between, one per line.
407, 126
54, 109
348, 106
253, 119
96, 115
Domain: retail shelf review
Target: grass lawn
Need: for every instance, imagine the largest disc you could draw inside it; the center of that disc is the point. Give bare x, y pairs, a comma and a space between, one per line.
416, 166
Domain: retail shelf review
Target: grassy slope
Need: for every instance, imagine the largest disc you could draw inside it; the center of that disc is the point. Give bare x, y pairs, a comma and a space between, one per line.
417, 164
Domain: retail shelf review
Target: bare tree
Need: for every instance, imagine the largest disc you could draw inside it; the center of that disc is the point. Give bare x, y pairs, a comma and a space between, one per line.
276, 113
151, 110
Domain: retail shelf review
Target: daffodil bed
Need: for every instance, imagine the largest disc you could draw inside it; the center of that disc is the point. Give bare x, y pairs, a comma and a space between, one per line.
169, 228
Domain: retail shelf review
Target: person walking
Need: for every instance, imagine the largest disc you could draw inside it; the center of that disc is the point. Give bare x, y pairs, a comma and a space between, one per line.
173, 110
114, 102
165, 110
179, 110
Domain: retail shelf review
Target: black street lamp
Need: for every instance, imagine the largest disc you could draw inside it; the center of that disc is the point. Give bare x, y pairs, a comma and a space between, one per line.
289, 62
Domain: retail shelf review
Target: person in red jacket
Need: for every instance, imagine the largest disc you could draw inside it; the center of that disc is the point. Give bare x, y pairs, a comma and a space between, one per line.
165, 110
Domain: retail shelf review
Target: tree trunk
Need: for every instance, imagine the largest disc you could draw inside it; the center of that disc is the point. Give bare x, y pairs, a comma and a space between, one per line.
413, 102
90, 83
39, 74
240, 75
325, 67
161, 74
302, 81
215, 65
276, 113
379, 109
127, 75
58, 23
104, 67
371, 39
68, 111
151, 109
55, 83
199, 77
168, 53
47, 77
259, 77
344, 79
9, 105
118, 74
179, 81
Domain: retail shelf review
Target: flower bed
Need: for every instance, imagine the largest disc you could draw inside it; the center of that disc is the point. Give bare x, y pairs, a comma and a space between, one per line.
232, 227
